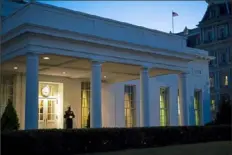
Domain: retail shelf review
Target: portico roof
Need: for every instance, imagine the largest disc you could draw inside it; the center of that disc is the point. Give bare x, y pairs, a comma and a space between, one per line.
65, 23
77, 68
73, 38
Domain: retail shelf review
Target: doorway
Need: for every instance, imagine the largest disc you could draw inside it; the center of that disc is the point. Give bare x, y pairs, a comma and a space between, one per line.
48, 113
50, 108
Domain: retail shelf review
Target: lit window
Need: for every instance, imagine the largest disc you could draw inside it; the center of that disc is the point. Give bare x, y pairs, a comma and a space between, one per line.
213, 108
226, 80
163, 106
178, 104
129, 104
197, 104
85, 103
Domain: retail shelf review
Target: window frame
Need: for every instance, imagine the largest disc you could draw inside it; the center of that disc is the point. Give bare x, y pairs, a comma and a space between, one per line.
198, 107
212, 77
223, 54
165, 108
85, 87
229, 51
130, 121
225, 28
223, 74
220, 35
209, 37
213, 107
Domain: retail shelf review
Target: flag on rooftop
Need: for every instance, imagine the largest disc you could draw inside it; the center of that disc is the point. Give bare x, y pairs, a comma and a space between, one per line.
174, 14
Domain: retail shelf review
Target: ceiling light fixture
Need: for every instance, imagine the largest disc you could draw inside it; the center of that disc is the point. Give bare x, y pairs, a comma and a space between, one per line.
15, 67
104, 76
64, 72
46, 58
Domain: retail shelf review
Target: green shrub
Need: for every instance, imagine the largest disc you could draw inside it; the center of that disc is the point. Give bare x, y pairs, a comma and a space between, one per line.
9, 119
224, 113
223, 116
77, 141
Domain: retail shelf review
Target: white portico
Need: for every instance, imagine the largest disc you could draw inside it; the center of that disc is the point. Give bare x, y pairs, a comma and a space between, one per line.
51, 45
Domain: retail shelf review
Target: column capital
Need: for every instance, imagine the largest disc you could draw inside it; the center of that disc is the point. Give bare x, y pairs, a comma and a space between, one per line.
31, 54
96, 62
145, 68
183, 75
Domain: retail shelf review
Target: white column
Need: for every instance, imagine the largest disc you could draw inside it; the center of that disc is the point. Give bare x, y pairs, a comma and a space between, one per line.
95, 105
183, 99
144, 98
31, 109
173, 105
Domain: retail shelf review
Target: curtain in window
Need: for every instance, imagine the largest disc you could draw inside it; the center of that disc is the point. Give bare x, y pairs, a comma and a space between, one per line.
129, 103
6, 92
85, 103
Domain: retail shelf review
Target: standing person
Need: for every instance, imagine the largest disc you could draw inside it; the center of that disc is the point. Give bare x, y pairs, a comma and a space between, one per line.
69, 115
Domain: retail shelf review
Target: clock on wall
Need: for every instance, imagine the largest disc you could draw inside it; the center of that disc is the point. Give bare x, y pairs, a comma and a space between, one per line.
45, 91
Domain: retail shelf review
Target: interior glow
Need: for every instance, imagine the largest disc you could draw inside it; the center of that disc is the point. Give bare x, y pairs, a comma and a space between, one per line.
104, 76
226, 81
15, 67
64, 72
46, 58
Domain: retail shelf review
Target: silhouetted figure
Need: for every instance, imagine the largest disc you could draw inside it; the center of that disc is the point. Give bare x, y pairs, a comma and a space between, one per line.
69, 115
88, 121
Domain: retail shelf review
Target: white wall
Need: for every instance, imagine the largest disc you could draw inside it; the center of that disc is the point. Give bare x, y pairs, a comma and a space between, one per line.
113, 97
198, 79
154, 86
71, 96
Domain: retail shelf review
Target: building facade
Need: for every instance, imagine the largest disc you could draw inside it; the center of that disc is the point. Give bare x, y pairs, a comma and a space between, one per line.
120, 74
214, 34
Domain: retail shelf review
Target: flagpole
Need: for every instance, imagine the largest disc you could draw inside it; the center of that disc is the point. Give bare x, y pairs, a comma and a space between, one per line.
172, 23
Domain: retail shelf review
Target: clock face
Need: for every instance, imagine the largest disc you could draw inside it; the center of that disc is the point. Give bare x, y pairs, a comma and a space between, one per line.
46, 91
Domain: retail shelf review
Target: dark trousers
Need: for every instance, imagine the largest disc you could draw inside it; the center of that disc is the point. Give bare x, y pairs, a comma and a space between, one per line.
69, 123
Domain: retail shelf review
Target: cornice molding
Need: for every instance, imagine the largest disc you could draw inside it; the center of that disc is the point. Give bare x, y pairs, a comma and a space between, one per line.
36, 29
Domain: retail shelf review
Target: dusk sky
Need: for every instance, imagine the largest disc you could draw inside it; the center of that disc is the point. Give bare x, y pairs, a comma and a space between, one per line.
150, 14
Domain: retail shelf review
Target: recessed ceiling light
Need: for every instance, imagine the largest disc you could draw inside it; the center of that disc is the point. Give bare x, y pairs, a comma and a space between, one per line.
64, 72
46, 58
15, 67
104, 76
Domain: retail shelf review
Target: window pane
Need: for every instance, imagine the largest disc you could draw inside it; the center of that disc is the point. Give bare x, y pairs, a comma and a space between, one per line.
197, 117
129, 105
49, 117
163, 106
85, 103
197, 104
41, 117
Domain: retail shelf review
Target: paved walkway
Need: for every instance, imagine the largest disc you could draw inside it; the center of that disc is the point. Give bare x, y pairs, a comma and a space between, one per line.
212, 148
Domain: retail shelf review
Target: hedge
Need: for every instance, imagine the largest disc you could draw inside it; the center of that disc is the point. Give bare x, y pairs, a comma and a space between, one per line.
76, 141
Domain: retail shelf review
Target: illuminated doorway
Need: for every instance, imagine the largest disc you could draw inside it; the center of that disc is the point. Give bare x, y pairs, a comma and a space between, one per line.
50, 112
